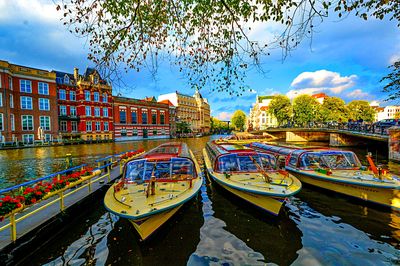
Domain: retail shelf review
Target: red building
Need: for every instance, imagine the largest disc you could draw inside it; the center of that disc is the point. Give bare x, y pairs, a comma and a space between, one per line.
28, 104
140, 119
84, 106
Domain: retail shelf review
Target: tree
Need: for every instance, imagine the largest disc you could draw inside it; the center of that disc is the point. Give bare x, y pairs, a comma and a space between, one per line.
238, 120
361, 110
393, 82
305, 109
281, 108
333, 109
218, 125
183, 127
209, 40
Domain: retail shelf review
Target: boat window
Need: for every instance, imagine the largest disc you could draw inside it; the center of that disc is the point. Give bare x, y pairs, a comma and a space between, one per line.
182, 166
341, 160
293, 160
268, 161
312, 160
134, 170
246, 163
228, 163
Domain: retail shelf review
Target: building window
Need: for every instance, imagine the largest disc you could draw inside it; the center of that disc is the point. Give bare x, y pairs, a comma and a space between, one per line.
162, 131
97, 111
27, 122
154, 132
144, 117
66, 79
11, 101
122, 116
88, 111
106, 128
45, 122
1, 99
26, 102
43, 88
62, 95
27, 138
25, 86
59, 80
63, 126
74, 126
72, 110
87, 95
63, 110
44, 104
96, 96
134, 132
88, 126
154, 117
72, 95
97, 125
10, 83
105, 112
1, 122
12, 122
162, 118
47, 137
105, 98
134, 117
123, 132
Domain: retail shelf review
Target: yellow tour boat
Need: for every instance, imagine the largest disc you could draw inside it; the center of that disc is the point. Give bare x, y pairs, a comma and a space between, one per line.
250, 175
154, 186
339, 171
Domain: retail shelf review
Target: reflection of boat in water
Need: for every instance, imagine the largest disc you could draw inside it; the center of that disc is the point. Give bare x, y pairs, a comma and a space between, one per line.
253, 176
154, 187
339, 171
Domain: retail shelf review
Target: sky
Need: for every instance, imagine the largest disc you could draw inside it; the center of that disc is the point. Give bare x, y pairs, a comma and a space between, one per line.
345, 58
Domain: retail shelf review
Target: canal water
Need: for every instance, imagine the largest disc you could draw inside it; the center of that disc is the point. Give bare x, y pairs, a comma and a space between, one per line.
315, 227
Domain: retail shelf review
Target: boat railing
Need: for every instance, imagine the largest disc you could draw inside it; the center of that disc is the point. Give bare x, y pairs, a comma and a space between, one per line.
71, 193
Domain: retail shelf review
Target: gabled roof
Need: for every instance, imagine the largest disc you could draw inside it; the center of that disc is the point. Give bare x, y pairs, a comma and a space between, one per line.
319, 95
167, 102
150, 99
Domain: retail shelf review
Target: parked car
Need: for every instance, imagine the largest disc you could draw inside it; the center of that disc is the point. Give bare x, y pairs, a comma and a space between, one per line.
387, 123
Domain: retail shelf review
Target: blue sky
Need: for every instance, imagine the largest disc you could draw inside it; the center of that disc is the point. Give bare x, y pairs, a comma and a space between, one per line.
346, 58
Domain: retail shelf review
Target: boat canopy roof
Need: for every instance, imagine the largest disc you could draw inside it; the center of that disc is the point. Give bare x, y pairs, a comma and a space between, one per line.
273, 148
168, 150
228, 148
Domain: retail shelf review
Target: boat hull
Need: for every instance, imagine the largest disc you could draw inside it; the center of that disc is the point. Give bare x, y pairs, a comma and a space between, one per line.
148, 225
269, 204
384, 196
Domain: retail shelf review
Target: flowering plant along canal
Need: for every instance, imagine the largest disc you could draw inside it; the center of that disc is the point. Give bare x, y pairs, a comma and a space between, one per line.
315, 227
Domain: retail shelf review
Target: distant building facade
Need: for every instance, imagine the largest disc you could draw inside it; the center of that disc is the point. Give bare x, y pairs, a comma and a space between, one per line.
136, 119
85, 106
387, 112
28, 104
259, 117
172, 117
193, 110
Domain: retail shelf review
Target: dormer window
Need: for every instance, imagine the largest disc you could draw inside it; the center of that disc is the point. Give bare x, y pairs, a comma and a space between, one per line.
66, 79
95, 79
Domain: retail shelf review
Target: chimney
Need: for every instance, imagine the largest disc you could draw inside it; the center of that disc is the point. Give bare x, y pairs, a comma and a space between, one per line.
76, 73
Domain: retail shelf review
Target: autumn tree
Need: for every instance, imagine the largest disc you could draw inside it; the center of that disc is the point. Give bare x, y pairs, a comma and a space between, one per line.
218, 125
305, 109
238, 120
281, 108
333, 109
209, 40
359, 109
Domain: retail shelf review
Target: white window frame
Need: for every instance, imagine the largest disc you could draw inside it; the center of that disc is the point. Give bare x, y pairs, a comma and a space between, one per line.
96, 96
106, 126
105, 112
72, 93
26, 102
97, 111
25, 86
97, 126
70, 110
22, 123
46, 104
30, 136
12, 119
87, 96
10, 83
105, 98
1, 98
43, 126
43, 88
89, 126
63, 107
62, 127
64, 94
88, 110
72, 126
11, 101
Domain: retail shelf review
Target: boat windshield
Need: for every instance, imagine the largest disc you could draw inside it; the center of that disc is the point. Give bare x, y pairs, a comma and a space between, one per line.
330, 159
246, 162
175, 168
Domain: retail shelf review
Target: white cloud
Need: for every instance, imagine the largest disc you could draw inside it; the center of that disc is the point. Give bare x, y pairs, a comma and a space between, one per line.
357, 94
294, 93
394, 58
225, 116
323, 81
29, 10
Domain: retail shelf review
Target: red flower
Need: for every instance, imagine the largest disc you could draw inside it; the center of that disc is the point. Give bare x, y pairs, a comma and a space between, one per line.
33, 200
38, 193
1, 203
47, 190
19, 205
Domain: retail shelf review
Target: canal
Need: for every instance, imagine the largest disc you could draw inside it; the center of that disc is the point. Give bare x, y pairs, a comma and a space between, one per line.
315, 228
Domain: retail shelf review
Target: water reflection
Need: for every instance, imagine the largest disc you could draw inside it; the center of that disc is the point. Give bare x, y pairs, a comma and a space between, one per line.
327, 240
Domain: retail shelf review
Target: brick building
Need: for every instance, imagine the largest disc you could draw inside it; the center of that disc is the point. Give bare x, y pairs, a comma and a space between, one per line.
84, 106
172, 118
28, 104
140, 119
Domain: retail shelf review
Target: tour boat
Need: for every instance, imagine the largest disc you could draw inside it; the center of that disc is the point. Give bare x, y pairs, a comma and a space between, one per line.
250, 175
339, 171
154, 186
